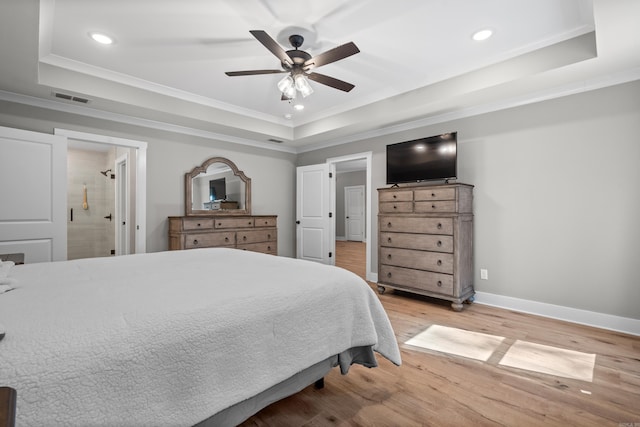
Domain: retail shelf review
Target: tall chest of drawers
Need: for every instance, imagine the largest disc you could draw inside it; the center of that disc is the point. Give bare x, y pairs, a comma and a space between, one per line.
425, 241
257, 233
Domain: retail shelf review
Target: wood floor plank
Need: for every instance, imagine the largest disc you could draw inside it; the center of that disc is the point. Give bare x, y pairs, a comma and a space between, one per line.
437, 389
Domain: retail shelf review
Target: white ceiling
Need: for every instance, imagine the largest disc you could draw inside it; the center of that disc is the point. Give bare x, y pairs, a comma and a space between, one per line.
417, 63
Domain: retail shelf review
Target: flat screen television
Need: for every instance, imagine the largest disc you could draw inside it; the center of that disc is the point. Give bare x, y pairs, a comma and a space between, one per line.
424, 159
217, 189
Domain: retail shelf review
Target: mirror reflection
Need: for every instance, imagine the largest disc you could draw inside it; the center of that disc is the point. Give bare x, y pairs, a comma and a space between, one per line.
217, 187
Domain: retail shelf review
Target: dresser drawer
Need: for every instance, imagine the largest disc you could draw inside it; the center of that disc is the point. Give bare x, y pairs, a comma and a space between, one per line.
421, 260
394, 207
265, 222
417, 225
252, 236
423, 242
208, 240
396, 196
435, 194
240, 222
417, 279
264, 247
189, 224
435, 206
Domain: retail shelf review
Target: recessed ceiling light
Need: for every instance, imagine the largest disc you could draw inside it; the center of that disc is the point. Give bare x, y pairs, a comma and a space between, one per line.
101, 38
482, 35
298, 107
288, 116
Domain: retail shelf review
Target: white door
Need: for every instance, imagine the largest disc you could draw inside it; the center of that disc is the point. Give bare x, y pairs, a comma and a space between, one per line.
314, 231
354, 212
122, 206
33, 195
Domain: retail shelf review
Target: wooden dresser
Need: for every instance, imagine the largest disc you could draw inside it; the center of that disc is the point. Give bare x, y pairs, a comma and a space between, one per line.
425, 238
256, 233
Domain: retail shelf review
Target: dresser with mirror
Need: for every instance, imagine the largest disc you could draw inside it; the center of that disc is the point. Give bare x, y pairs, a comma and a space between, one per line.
218, 212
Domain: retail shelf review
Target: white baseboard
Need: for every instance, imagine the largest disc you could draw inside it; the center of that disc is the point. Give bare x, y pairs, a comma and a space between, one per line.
341, 238
583, 317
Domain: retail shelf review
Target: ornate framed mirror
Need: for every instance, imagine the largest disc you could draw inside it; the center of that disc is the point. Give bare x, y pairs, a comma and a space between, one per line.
217, 187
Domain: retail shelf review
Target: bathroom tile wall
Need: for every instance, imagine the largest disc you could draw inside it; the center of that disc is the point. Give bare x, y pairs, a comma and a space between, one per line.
89, 234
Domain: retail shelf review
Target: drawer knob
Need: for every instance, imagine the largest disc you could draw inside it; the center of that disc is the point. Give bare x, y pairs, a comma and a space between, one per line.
226, 239
269, 248
249, 223
268, 236
388, 239
439, 283
439, 243
389, 224
389, 256
244, 237
389, 275
439, 263
395, 207
439, 226
219, 224
394, 196
433, 206
433, 194
198, 224
195, 241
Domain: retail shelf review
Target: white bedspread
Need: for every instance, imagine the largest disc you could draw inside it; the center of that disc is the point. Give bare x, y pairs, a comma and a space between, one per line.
170, 338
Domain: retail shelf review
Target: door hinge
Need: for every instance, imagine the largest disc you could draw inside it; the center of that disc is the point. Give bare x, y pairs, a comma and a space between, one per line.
330, 174
330, 254
330, 214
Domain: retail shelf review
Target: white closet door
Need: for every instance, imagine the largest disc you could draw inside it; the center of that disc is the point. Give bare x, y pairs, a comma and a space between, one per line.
33, 206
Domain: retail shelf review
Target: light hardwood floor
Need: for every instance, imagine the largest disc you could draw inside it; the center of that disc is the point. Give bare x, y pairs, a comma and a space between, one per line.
435, 389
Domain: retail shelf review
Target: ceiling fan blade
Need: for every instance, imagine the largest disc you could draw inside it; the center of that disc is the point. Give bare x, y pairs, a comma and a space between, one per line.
272, 45
332, 55
330, 81
253, 72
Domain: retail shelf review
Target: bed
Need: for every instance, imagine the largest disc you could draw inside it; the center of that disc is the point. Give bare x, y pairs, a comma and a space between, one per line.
200, 337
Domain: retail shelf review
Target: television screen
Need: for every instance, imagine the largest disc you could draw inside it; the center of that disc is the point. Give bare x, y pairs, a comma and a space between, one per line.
217, 189
424, 159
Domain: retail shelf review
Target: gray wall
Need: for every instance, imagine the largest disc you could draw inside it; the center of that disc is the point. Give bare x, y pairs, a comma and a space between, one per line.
169, 157
346, 179
556, 197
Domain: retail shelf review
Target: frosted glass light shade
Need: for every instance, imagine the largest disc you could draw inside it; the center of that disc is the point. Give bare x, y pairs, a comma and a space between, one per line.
286, 84
303, 85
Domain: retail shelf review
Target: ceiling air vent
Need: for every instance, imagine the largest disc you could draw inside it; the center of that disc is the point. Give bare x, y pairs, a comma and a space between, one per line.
70, 97
279, 141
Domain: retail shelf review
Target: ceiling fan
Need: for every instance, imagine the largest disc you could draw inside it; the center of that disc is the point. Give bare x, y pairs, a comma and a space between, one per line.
298, 64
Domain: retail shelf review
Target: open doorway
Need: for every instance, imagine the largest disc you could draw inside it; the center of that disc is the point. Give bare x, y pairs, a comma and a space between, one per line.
352, 206
110, 178
90, 200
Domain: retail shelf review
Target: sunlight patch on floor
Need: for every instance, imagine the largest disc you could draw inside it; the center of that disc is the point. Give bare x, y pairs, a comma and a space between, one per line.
473, 345
520, 355
550, 360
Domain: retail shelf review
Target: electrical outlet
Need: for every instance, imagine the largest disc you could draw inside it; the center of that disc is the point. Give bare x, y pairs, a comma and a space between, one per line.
484, 274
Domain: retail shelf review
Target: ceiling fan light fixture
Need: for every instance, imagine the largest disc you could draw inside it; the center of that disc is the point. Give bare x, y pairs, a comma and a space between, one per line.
302, 84
286, 84
290, 92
